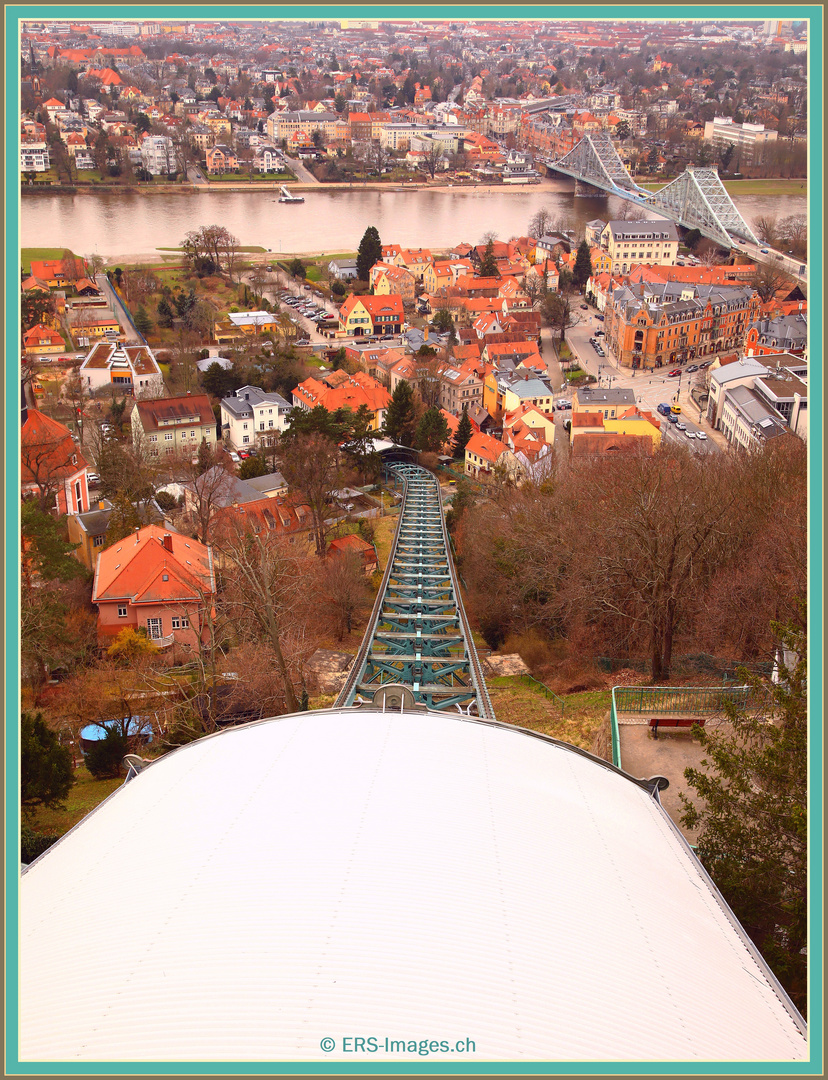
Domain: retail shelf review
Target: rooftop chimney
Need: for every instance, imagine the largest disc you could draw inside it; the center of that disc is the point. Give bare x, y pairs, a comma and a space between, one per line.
137, 530
167, 542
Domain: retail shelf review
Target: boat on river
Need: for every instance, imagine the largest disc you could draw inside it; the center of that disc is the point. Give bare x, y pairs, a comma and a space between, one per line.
287, 197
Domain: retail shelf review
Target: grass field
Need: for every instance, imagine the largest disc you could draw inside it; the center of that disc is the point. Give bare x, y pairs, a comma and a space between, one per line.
770, 187
84, 796
38, 253
523, 706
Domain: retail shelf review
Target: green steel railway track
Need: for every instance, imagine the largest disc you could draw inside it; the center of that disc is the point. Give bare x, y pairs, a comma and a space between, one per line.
418, 635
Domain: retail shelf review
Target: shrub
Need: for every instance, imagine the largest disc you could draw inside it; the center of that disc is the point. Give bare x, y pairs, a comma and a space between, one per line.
103, 759
33, 844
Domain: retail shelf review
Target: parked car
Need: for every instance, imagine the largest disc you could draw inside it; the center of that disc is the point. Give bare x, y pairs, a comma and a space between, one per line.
680, 426
44, 359
690, 434
600, 333
600, 351
693, 367
764, 251
663, 408
706, 364
234, 457
675, 409
562, 403
674, 373
672, 418
701, 435
584, 307
93, 479
600, 318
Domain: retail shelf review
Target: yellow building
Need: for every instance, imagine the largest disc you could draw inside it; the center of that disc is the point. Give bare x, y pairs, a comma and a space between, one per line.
633, 422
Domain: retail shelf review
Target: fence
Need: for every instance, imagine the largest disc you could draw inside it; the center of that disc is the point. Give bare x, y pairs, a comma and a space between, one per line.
645, 701
536, 684
688, 664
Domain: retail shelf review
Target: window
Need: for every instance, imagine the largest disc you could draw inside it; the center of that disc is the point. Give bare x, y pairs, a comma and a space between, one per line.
168, 436
153, 438
245, 438
192, 434
154, 628
176, 622
97, 541
122, 608
153, 453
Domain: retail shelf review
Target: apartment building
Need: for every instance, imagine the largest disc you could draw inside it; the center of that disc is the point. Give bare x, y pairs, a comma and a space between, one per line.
630, 242
749, 140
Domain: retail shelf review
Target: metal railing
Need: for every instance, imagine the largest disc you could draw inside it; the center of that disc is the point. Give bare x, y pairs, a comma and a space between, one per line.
643, 702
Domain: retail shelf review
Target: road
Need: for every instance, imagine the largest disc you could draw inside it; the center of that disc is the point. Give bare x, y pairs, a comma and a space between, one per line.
303, 175
195, 176
103, 283
770, 257
651, 388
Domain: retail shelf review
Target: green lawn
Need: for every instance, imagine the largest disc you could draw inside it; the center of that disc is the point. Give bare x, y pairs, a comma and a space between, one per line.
39, 253
84, 796
771, 186
526, 707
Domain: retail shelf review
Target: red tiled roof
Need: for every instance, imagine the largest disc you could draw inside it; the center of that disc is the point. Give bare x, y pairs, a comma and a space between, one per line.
179, 410
47, 449
135, 568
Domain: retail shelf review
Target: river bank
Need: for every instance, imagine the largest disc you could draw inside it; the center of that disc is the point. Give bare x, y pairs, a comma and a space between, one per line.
275, 187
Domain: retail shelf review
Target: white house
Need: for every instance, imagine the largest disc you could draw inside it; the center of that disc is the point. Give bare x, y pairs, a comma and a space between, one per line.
129, 367
251, 417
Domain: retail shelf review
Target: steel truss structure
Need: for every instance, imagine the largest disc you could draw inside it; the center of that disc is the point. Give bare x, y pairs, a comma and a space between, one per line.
698, 200
595, 161
418, 635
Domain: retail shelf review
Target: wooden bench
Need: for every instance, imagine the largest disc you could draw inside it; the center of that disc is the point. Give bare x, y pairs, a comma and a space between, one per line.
674, 722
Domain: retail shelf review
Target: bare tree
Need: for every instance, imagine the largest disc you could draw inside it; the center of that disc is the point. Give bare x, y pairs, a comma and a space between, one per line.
210, 490
766, 228
432, 158
342, 590
258, 279
44, 457
766, 281
793, 231
310, 464
540, 223
264, 585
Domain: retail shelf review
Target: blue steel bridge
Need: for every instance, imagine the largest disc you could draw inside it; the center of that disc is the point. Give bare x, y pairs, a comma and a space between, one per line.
697, 199
418, 636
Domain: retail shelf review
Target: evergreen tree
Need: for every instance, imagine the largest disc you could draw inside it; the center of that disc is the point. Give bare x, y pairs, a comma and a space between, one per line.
488, 266
751, 805
143, 323
583, 265
432, 431
46, 553
123, 520
400, 417
462, 435
104, 757
253, 467
45, 765
165, 313
369, 252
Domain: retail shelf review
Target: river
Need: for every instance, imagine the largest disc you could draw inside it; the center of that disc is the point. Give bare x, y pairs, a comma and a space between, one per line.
124, 225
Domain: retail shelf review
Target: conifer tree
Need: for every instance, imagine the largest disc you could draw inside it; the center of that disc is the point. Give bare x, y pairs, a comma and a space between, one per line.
583, 265
369, 252
462, 435
400, 418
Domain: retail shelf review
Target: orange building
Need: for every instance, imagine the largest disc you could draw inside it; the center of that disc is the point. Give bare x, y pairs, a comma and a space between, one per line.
650, 325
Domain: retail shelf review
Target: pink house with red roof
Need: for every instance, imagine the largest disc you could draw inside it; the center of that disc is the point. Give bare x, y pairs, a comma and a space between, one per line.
156, 580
